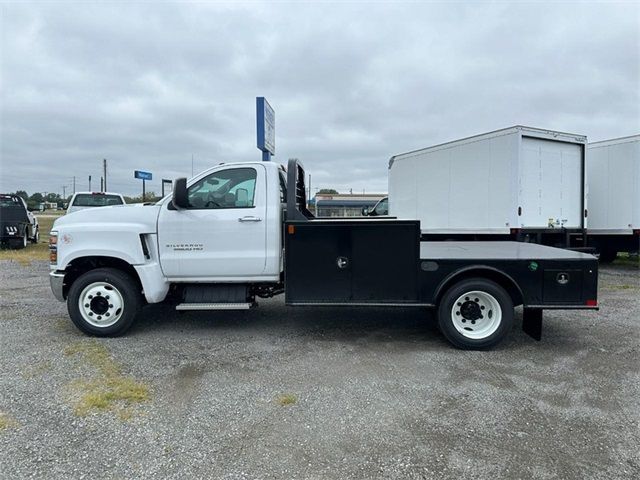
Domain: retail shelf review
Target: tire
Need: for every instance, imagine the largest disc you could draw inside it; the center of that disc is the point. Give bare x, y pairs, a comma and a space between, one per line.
36, 236
475, 314
104, 302
607, 255
20, 243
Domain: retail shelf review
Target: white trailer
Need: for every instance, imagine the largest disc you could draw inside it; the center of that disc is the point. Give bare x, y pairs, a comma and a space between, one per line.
613, 176
519, 182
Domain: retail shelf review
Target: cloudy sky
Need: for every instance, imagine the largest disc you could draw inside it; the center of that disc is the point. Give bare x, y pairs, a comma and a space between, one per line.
148, 85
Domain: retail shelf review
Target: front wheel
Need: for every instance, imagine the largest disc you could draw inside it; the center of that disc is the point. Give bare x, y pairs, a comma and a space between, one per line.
104, 302
475, 314
36, 236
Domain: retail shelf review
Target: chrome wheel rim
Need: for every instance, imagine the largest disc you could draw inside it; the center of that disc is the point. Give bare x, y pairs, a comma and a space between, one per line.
101, 304
476, 315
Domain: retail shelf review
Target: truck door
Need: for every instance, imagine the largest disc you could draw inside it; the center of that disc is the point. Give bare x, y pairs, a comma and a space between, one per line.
222, 234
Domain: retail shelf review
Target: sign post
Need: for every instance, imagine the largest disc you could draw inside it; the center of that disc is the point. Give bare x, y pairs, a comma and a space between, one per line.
266, 127
144, 176
165, 182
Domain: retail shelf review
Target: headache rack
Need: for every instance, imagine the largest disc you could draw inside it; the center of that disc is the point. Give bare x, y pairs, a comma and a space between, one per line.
296, 192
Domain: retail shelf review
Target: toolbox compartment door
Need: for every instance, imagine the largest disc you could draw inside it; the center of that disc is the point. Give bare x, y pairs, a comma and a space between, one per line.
351, 261
563, 286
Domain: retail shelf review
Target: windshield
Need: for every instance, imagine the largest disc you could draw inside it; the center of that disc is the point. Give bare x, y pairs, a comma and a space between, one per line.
9, 202
97, 200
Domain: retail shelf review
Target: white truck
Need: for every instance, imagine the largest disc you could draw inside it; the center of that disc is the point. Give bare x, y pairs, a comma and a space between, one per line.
518, 183
241, 231
613, 175
82, 200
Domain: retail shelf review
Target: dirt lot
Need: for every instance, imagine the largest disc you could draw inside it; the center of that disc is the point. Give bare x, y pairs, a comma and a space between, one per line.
323, 393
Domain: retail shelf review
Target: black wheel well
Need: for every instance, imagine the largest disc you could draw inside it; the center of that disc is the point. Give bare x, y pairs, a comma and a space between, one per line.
82, 265
502, 279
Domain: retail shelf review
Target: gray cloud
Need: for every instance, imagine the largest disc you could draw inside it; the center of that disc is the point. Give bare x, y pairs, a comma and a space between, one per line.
148, 85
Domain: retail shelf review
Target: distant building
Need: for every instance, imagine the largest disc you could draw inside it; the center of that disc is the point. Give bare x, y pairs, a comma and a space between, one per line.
343, 204
47, 206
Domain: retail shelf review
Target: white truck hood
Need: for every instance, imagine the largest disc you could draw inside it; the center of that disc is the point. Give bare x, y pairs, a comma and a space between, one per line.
138, 218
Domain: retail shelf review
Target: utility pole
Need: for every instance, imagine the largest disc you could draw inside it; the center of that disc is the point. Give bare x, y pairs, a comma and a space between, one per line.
74, 185
104, 166
192, 165
309, 199
64, 191
101, 184
89, 183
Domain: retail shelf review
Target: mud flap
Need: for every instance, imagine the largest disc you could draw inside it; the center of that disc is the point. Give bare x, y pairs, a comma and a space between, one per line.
532, 322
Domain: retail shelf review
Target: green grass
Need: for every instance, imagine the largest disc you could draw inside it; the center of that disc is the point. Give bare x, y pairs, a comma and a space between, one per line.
286, 399
627, 260
6, 422
110, 389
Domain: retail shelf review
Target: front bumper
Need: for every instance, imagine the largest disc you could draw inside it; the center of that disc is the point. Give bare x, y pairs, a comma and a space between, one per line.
56, 279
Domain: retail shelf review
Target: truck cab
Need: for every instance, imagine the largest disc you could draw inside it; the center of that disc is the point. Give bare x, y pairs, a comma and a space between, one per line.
242, 231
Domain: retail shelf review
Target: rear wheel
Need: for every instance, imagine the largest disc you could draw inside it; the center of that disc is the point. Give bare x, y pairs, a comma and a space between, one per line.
20, 243
607, 255
475, 314
36, 236
104, 302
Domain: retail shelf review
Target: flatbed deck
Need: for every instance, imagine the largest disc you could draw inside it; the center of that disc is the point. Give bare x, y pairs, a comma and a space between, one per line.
495, 251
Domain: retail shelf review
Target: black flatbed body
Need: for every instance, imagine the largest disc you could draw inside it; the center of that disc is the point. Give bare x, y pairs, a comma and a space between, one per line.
381, 261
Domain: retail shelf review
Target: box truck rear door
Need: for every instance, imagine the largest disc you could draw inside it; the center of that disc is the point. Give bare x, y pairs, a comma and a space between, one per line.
550, 184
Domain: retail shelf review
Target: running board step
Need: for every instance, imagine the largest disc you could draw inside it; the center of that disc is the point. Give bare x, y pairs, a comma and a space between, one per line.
213, 306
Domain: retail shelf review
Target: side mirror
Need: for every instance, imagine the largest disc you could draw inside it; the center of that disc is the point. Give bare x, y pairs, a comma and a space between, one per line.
180, 196
365, 211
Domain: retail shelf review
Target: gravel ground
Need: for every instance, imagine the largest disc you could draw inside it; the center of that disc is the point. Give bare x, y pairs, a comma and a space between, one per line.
372, 393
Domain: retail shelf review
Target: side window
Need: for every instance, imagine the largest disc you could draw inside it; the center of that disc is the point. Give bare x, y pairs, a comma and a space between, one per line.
383, 207
231, 188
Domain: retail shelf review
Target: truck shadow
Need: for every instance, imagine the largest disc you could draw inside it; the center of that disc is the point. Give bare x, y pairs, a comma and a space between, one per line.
349, 325
272, 317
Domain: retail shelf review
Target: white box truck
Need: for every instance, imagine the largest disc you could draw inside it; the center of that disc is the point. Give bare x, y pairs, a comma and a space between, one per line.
522, 183
613, 176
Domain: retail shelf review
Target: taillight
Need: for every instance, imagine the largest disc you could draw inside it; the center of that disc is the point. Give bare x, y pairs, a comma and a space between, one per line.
53, 248
591, 303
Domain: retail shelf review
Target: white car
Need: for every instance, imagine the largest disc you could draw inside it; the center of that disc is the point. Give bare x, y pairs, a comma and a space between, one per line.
82, 200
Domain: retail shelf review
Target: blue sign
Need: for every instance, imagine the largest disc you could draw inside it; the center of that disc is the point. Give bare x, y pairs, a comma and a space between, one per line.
266, 123
142, 175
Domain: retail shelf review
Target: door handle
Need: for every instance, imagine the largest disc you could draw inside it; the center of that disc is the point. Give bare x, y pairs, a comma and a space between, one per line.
249, 219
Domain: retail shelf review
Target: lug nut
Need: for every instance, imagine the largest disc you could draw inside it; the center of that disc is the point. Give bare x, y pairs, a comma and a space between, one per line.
107, 297
91, 314
457, 313
90, 297
86, 305
99, 317
481, 307
98, 293
111, 305
107, 314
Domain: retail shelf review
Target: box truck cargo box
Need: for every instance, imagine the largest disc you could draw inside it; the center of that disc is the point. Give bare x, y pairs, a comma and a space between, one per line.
519, 180
613, 176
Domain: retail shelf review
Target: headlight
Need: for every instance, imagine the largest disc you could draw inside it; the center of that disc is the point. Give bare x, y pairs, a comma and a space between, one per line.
53, 247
